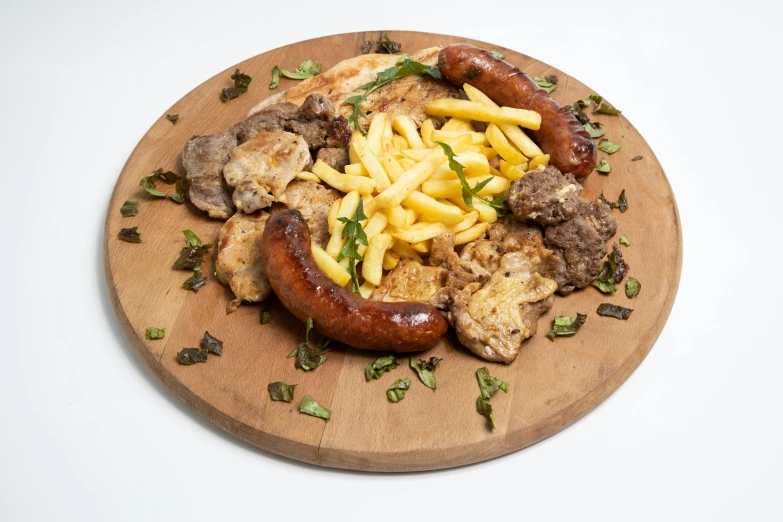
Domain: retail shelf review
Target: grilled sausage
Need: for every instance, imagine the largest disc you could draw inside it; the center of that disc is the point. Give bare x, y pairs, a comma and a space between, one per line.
336, 312
561, 135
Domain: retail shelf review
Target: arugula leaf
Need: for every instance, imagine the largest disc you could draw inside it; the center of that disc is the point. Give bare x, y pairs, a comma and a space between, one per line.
130, 208
275, 77
396, 392
489, 385
625, 241
130, 235
354, 233
266, 315
593, 131
485, 409
565, 326
603, 166
280, 391
241, 84
155, 333
610, 310
632, 287
545, 84
306, 69
605, 109
469, 193
190, 356
380, 365
212, 344
607, 146
426, 370
309, 406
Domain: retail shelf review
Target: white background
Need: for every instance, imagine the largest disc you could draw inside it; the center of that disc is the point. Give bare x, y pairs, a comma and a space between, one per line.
87, 432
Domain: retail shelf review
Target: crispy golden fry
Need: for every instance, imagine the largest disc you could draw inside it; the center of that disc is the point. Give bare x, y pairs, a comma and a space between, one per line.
471, 234
487, 214
512, 172
390, 165
457, 124
406, 163
366, 289
371, 227
343, 182
331, 218
516, 135
356, 169
422, 247
432, 209
388, 133
499, 142
403, 249
419, 231
542, 161
410, 217
347, 210
390, 260
469, 221
415, 154
426, 131
353, 157
452, 188
396, 216
405, 125
469, 110
488, 152
372, 266
308, 176
370, 162
329, 266
375, 133
399, 142
477, 138
370, 208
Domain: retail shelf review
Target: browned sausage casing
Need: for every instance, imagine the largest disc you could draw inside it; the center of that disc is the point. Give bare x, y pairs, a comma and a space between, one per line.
561, 135
336, 312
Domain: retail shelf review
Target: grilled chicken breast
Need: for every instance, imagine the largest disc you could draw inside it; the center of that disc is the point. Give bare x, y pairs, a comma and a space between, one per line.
313, 200
410, 282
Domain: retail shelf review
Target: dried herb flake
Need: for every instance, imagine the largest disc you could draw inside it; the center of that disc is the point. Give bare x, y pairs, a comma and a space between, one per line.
241, 84
603, 166
545, 84
383, 46
280, 391
498, 55
607, 146
489, 385
173, 118
130, 208
610, 310
625, 241
605, 109
131, 235
485, 409
426, 370
379, 366
636, 158
621, 203
275, 77
212, 344
396, 392
309, 406
190, 356
265, 316
565, 326
195, 282
632, 287
306, 69
155, 333
593, 130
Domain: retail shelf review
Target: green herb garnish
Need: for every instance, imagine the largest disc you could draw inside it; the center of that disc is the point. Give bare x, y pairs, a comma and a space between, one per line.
130, 235
593, 130
577, 108
607, 146
566, 326
603, 166
636, 158
379, 366
605, 109
610, 310
354, 233
426, 370
545, 84
307, 357
241, 83
485, 409
404, 67
621, 203
155, 333
190, 356
469, 193
383, 46
212, 344
280, 391
265, 316
632, 287
309, 406
192, 254
275, 79
625, 241
129, 208
306, 69
498, 55
173, 118
196, 281
489, 385
148, 182
396, 392
608, 277
596, 98
179, 195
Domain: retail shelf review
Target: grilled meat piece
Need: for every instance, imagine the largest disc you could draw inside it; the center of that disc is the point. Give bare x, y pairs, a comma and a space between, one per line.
203, 160
410, 282
313, 201
546, 196
337, 158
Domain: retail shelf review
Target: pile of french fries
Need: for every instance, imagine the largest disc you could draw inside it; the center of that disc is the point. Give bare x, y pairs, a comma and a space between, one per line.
409, 193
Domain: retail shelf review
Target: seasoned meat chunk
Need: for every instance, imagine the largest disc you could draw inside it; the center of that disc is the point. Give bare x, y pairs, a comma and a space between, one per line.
313, 200
579, 245
203, 159
409, 282
546, 196
261, 168
273, 118
238, 262
337, 158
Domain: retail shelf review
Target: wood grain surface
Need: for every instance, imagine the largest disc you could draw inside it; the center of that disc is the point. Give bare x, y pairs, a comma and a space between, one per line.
552, 384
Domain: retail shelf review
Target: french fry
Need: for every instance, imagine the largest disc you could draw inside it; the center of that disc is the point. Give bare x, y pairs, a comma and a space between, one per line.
308, 176
372, 227
477, 138
469, 110
343, 182
420, 232
410, 217
372, 266
356, 169
396, 216
426, 131
390, 165
406, 127
516, 135
370, 162
390, 260
353, 157
366, 289
432, 209
375, 133
416, 175
403, 249
331, 218
347, 210
488, 152
469, 221
329, 266
457, 124
452, 188
399, 142
471, 234
388, 133
542, 160
370, 208
512, 172
487, 214
499, 142
406, 164
422, 247
415, 154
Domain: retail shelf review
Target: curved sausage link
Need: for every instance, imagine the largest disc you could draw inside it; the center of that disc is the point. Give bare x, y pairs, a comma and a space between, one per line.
336, 312
561, 135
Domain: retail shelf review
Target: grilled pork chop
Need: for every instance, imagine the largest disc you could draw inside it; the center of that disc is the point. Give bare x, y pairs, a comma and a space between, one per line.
203, 160
313, 200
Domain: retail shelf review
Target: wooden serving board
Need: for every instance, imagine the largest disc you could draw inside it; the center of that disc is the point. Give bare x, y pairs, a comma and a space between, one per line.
552, 384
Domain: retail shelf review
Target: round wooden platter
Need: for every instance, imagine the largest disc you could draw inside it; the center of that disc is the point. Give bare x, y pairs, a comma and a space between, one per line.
552, 384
